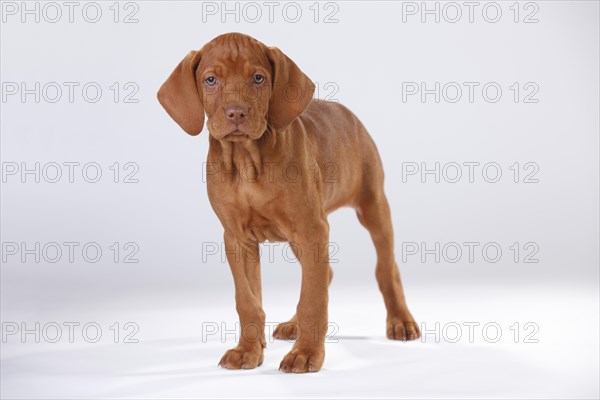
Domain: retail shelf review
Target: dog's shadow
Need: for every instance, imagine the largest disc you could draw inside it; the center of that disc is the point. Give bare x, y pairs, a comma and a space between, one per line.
185, 366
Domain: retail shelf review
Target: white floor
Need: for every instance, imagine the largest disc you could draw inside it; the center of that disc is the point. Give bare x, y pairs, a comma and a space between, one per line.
172, 360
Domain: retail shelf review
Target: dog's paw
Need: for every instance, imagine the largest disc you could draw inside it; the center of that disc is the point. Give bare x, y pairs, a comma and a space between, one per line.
286, 331
300, 361
402, 330
242, 358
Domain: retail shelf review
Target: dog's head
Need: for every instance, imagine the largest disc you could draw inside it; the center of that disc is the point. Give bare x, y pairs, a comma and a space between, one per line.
240, 84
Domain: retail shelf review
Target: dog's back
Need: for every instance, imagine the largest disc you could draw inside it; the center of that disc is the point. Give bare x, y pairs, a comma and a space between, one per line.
345, 152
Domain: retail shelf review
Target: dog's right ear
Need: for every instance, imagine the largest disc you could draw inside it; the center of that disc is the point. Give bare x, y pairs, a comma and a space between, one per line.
179, 95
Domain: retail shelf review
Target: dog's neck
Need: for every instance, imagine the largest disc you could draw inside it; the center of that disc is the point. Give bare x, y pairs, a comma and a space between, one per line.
244, 158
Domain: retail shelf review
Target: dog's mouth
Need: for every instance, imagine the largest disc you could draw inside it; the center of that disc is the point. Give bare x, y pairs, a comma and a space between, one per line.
236, 135
239, 133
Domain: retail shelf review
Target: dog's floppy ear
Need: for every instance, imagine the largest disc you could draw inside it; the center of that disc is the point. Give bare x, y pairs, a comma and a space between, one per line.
179, 95
292, 90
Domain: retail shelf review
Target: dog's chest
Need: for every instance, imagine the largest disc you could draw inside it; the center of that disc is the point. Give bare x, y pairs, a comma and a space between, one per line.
251, 210
247, 194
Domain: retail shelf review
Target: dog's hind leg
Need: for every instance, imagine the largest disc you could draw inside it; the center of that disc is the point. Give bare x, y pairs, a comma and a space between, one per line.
374, 214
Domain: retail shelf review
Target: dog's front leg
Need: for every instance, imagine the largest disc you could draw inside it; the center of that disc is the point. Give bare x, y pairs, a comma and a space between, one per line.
311, 248
244, 260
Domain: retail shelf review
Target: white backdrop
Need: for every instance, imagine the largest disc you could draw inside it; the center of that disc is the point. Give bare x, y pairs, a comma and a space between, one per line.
487, 123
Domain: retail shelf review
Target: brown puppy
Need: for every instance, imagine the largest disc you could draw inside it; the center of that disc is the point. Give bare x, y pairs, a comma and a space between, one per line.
279, 162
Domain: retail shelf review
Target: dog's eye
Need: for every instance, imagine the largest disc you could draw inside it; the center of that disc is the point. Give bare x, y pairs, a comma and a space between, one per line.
258, 78
210, 81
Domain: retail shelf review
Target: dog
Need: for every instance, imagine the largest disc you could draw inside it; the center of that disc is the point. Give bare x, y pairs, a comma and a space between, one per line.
280, 162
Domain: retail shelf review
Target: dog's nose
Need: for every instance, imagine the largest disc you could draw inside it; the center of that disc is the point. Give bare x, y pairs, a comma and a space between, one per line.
236, 114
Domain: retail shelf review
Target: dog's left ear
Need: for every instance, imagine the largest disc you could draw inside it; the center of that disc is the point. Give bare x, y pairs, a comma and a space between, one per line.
179, 95
292, 90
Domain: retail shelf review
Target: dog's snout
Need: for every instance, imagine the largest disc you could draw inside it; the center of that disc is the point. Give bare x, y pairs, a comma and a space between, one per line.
236, 114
